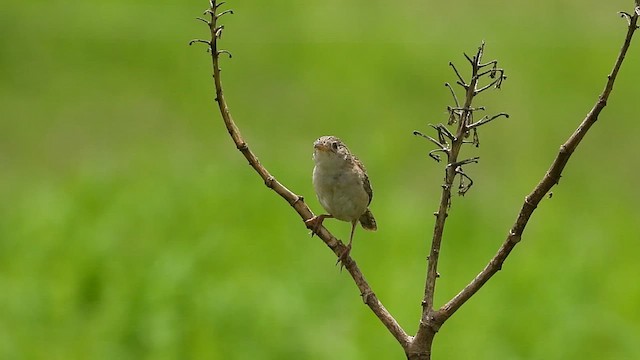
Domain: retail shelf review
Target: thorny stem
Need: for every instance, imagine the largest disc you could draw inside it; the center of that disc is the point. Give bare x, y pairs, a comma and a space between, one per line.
296, 201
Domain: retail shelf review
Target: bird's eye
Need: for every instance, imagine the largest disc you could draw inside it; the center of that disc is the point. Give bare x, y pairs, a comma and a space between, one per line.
334, 145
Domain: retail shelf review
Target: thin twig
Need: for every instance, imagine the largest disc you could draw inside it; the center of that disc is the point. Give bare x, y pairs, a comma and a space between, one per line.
443, 132
460, 79
436, 142
486, 119
495, 83
453, 93
296, 201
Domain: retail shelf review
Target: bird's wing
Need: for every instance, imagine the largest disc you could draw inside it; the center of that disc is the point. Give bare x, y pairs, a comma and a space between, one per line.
365, 178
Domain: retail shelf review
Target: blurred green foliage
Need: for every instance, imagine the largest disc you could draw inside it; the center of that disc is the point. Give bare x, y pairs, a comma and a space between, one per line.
130, 227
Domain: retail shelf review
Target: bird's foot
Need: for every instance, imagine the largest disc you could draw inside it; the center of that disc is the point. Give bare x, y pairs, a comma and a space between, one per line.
314, 224
344, 256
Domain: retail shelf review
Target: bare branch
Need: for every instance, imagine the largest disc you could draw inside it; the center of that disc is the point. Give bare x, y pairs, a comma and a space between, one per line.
215, 6
194, 41
463, 187
497, 82
430, 322
460, 79
493, 63
487, 119
436, 142
224, 13
296, 201
551, 178
443, 132
204, 20
457, 164
436, 157
453, 93
471, 61
220, 52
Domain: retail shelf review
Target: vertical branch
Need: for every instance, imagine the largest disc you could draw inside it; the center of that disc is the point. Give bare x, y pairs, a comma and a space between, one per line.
464, 119
451, 144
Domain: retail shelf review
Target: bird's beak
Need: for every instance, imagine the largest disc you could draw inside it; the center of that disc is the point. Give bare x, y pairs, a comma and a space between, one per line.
321, 147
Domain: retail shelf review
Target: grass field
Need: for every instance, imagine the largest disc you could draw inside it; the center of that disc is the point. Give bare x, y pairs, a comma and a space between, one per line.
131, 228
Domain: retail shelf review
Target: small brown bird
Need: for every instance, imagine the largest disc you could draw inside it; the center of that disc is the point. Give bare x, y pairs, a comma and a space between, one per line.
342, 186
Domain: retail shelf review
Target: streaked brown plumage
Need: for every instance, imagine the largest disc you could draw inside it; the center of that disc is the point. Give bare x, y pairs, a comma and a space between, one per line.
342, 186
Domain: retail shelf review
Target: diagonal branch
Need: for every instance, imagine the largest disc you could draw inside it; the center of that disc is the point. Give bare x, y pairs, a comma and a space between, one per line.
550, 179
296, 201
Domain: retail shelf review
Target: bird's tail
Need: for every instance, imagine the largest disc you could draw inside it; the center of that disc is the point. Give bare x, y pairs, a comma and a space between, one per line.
368, 222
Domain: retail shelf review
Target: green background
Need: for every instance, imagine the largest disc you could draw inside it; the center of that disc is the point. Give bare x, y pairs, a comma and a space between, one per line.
131, 228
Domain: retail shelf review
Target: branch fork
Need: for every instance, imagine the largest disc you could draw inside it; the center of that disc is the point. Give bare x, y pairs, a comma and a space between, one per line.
448, 143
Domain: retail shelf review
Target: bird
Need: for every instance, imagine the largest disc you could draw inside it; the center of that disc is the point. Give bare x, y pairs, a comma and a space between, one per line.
342, 186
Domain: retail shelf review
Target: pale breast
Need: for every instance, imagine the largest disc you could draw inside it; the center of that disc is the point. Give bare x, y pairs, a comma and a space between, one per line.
340, 191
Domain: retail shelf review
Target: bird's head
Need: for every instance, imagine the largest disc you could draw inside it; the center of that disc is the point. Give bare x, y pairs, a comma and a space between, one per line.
330, 148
